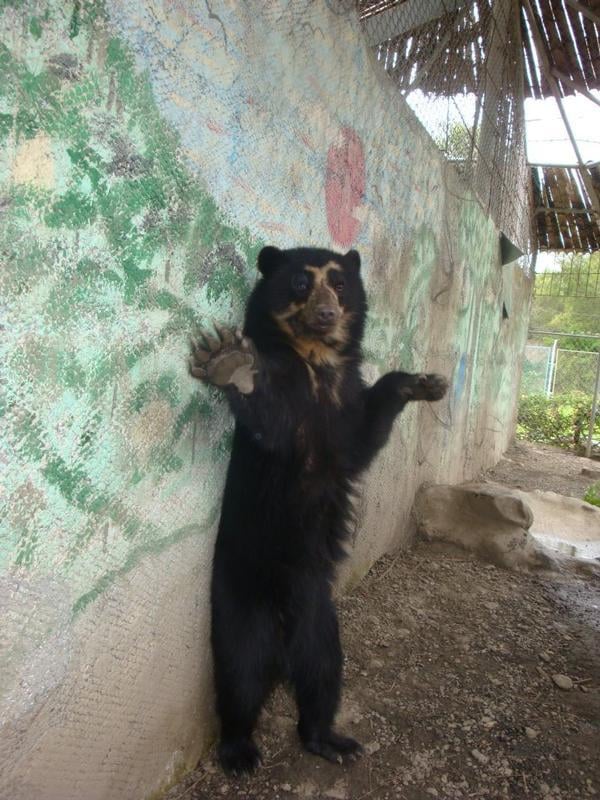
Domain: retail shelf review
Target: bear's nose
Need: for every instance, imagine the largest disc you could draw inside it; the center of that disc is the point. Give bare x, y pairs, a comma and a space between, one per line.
326, 315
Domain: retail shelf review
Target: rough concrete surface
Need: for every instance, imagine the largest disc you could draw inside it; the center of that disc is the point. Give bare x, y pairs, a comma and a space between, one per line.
147, 152
565, 524
511, 528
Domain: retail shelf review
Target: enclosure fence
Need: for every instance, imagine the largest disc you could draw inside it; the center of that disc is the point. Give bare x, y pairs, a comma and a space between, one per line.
459, 66
553, 371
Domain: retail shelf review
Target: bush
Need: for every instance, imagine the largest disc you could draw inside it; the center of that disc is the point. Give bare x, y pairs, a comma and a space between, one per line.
593, 494
562, 419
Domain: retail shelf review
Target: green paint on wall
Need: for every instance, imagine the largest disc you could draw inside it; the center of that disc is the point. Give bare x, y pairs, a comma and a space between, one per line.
35, 27
116, 255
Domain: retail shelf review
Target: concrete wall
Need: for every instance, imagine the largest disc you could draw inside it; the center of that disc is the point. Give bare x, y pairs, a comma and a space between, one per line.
148, 150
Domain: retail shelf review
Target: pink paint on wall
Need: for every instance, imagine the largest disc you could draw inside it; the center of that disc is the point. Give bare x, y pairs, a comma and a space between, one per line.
344, 186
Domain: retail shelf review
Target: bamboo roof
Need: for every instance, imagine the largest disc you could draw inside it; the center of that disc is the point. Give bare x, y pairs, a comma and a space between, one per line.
564, 215
570, 35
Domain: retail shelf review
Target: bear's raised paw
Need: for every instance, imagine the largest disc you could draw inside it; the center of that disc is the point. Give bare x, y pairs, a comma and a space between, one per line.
424, 387
226, 359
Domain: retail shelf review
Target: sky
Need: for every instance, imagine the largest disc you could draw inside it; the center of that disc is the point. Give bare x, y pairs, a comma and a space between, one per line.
547, 138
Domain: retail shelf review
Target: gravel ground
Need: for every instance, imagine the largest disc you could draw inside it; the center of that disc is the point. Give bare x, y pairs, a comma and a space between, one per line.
536, 466
461, 681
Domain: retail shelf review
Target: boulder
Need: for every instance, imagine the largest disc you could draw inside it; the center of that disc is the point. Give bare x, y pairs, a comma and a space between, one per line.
495, 523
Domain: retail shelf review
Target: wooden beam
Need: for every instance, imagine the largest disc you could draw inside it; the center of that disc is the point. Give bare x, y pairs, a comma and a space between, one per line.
559, 210
576, 85
559, 166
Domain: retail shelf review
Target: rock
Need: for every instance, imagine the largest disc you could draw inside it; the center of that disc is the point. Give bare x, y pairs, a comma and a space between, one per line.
521, 531
306, 789
590, 473
563, 682
545, 657
486, 519
479, 756
286, 787
372, 747
339, 791
531, 733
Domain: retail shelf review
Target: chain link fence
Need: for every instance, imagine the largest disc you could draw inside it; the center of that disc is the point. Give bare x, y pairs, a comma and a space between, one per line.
559, 392
454, 62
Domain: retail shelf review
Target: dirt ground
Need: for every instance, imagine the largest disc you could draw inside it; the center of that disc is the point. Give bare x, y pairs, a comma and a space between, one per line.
537, 466
449, 680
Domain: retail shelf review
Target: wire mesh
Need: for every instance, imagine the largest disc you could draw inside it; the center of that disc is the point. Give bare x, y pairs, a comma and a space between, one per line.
460, 67
551, 369
570, 275
537, 363
575, 371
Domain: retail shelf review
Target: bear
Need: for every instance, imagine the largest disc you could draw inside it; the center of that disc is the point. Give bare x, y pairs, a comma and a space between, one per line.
306, 427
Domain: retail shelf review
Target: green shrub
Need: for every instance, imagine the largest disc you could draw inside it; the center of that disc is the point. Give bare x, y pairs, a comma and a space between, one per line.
562, 419
593, 494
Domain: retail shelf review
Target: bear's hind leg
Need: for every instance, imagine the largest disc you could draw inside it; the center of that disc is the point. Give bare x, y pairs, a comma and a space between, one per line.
314, 656
246, 657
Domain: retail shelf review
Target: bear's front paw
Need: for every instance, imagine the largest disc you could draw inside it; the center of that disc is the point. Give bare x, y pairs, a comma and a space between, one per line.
226, 359
425, 387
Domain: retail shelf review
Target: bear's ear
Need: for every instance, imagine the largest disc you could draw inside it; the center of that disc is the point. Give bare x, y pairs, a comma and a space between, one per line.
352, 260
269, 259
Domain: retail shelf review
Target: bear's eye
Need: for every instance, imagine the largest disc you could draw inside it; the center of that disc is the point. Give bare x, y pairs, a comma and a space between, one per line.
300, 283
339, 287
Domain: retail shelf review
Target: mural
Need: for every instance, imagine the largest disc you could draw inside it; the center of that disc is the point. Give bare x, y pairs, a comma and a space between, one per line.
115, 254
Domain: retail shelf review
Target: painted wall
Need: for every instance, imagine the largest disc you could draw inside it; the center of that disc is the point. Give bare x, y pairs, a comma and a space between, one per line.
148, 151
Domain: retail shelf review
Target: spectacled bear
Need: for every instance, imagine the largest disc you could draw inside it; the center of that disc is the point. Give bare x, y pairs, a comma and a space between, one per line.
306, 427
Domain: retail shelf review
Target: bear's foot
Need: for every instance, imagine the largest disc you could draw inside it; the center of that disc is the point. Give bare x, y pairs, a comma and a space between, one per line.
239, 756
423, 387
226, 359
333, 747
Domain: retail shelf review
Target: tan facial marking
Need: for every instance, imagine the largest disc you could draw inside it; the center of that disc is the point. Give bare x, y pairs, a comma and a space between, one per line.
315, 350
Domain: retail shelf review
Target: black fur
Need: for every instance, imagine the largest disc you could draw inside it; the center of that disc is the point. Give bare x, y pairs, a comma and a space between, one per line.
302, 437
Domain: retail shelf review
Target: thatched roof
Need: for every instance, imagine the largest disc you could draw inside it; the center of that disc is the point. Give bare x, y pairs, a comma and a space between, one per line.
568, 30
483, 48
564, 213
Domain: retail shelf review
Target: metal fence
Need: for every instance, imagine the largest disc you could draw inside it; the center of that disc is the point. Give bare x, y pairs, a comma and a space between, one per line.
577, 275
555, 371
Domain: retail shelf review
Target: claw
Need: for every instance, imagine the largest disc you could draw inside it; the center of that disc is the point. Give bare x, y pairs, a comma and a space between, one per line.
200, 354
239, 334
225, 334
197, 372
212, 342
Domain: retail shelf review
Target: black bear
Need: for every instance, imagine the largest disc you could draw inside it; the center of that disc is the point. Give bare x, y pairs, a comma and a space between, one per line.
306, 427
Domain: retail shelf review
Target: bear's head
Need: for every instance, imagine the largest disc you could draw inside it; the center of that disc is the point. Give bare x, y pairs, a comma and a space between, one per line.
313, 295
